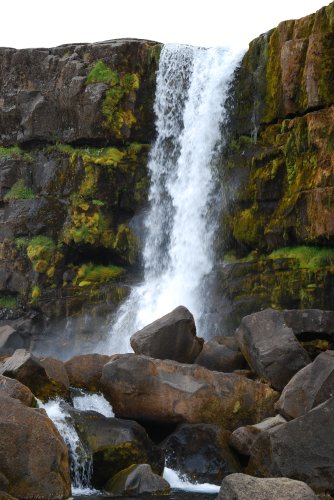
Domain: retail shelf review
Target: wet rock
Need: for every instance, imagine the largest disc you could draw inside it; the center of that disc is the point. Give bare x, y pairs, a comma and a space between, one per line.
56, 370
301, 449
220, 358
137, 480
270, 347
311, 386
243, 487
115, 445
33, 456
27, 369
14, 389
85, 370
200, 452
171, 337
243, 438
10, 340
144, 388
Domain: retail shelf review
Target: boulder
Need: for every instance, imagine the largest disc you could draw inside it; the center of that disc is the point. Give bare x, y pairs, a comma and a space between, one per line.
270, 347
159, 391
26, 368
5, 496
310, 321
56, 370
311, 386
301, 449
243, 487
85, 370
220, 358
114, 444
137, 480
33, 456
171, 337
200, 452
14, 389
10, 340
243, 438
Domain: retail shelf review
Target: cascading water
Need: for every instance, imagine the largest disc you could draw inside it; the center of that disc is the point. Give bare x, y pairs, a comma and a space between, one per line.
192, 86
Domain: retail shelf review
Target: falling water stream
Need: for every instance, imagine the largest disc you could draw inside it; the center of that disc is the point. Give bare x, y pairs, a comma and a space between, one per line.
192, 86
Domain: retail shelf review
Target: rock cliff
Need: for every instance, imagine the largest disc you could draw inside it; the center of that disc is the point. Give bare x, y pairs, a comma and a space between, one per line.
76, 123
277, 233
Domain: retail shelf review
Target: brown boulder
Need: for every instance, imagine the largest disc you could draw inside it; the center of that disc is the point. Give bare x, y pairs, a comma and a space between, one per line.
144, 388
14, 389
26, 368
33, 456
171, 337
311, 386
243, 487
85, 370
56, 370
270, 347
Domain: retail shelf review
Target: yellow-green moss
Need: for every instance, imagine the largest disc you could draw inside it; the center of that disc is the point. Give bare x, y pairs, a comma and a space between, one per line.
35, 293
8, 301
308, 257
15, 152
247, 226
122, 86
126, 243
89, 274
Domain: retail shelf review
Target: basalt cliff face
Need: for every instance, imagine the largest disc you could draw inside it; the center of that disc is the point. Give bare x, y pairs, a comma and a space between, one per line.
278, 228
76, 124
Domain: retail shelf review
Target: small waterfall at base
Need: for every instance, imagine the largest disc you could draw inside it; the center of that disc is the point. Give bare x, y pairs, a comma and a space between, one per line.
192, 86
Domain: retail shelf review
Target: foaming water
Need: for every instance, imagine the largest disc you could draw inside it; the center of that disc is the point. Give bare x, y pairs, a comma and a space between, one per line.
92, 402
178, 483
192, 86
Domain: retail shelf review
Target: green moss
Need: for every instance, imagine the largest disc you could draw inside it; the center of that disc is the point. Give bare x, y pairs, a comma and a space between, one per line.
19, 191
126, 244
89, 274
43, 254
308, 257
273, 78
8, 301
100, 72
22, 243
247, 226
35, 293
15, 152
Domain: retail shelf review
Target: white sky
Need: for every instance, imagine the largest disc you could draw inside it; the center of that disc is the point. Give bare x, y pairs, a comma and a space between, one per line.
41, 23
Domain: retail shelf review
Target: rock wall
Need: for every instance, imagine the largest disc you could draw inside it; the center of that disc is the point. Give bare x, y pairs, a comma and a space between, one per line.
76, 124
277, 234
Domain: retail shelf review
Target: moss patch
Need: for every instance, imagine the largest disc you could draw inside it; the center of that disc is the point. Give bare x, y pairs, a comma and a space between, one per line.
19, 191
90, 274
308, 257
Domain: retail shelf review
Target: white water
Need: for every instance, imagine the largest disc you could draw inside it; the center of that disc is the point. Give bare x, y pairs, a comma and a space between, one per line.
192, 85
92, 402
80, 460
178, 483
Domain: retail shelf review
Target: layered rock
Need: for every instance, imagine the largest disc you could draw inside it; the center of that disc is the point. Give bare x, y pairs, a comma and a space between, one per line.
171, 337
33, 456
158, 391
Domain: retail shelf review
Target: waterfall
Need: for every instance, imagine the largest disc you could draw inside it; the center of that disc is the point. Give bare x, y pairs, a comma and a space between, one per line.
192, 86
84, 401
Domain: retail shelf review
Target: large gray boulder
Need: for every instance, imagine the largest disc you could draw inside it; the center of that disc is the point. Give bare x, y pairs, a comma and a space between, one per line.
301, 449
143, 388
270, 347
243, 487
137, 480
10, 340
243, 438
311, 386
171, 337
200, 452
114, 444
33, 456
